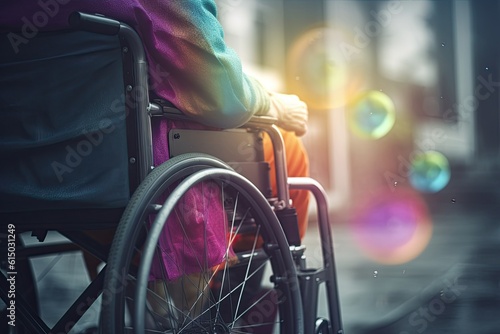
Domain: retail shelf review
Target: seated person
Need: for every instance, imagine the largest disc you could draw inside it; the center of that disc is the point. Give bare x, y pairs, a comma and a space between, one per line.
191, 67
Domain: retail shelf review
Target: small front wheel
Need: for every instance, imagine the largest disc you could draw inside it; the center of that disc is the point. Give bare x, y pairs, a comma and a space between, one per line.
323, 326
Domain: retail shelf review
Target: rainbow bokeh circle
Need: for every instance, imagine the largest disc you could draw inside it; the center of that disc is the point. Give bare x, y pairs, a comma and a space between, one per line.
393, 228
371, 115
429, 172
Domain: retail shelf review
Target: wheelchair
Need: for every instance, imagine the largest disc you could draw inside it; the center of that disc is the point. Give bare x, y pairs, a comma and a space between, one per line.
77, 157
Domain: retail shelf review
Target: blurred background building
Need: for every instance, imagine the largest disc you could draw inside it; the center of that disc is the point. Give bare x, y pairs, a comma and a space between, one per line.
432, 59
404, 134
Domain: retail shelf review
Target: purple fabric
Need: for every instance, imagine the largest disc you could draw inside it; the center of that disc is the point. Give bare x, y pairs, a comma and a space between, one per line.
195, 236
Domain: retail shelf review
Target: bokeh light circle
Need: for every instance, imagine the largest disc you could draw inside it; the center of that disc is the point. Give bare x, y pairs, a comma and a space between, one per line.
393, 228
319, 72
371, 115
430, 171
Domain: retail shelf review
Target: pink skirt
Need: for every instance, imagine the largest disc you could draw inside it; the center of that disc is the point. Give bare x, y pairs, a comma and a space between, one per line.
195, 237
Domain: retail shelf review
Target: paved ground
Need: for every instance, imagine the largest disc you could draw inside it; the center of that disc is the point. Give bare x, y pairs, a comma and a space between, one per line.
452, 287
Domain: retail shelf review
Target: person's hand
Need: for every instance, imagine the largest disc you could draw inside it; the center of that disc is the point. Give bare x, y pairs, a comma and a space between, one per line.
290, 112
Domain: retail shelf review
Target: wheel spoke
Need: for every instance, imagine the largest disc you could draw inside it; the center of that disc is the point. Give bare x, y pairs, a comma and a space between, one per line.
200, 295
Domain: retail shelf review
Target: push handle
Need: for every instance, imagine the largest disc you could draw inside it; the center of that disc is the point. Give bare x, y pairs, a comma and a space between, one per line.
94, 23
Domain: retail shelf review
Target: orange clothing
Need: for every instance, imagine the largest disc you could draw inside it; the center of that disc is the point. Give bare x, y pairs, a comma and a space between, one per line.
297, 163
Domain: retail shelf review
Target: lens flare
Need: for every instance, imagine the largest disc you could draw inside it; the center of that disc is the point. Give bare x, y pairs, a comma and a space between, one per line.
372, 115
319, 72
394, 228
430, 172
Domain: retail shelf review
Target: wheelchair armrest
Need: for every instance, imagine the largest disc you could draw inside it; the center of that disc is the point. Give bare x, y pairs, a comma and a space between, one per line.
167, 109
264, 123
261, 121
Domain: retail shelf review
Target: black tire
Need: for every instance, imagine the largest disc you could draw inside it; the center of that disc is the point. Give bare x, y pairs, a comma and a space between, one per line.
215, 310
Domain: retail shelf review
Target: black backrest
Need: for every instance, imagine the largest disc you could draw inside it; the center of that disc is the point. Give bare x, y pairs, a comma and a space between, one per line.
74, 129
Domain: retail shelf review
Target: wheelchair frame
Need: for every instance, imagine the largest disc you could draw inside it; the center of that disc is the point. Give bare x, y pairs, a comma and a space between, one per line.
140, 166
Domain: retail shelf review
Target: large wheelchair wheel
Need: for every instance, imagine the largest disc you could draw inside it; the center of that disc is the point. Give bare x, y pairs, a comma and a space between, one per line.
204, 292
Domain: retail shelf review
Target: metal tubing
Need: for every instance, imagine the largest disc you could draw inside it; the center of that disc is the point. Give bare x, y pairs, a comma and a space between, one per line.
319, 193
309, 287
267, 124
81, 305
141, 98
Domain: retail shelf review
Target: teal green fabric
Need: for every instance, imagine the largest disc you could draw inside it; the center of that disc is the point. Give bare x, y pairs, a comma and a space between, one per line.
62, 128
190, 64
